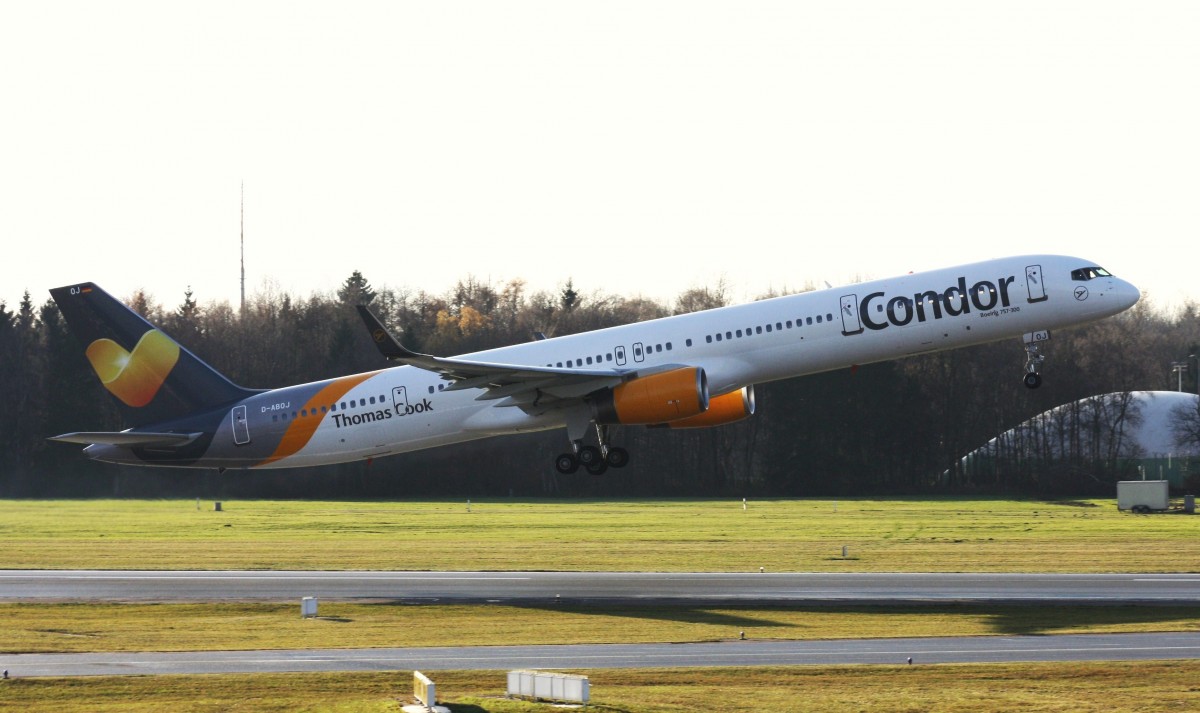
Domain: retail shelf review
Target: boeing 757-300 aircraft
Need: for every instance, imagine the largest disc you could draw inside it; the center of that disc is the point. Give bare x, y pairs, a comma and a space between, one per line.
687, 371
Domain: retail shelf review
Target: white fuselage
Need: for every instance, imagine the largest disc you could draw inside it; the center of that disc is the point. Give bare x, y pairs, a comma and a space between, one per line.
407, 408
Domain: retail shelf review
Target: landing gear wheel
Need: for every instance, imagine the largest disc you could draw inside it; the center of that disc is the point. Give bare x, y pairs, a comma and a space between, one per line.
1033, 381
589, 456
617, 457
566, 463
598, 468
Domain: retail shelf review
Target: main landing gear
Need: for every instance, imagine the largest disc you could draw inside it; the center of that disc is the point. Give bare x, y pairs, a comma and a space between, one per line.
596, 460
1034, 359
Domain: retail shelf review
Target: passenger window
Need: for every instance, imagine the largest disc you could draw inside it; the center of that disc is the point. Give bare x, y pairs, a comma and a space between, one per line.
818, 319
283, 415
431, 389
343, 405
658, 348
324, 410
718, 336
768, 329
669, 345
274, 417
739, 333
789, 324
708, 339
808, 320
608, 357
589, 360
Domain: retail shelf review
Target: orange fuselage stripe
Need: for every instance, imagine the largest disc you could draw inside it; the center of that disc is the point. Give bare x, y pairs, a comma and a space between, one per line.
300, 431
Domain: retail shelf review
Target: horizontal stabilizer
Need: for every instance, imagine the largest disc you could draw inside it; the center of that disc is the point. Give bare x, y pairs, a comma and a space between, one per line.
127, 438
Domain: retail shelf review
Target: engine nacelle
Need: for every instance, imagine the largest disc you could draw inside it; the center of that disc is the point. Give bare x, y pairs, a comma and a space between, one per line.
723, 409
665, 396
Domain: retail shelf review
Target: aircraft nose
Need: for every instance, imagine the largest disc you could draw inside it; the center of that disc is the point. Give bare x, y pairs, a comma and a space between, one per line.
1127, 293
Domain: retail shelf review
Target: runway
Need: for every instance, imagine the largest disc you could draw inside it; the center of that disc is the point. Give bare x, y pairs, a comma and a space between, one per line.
709, 588
696, 588
1093, 647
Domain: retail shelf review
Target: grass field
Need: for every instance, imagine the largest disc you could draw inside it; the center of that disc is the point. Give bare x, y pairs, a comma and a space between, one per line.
1145, 686
942, 535
945, 535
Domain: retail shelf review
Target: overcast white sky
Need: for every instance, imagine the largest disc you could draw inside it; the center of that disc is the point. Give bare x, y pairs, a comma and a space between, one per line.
635, 147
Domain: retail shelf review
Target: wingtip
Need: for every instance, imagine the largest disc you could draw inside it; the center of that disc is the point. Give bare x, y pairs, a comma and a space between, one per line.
388, 345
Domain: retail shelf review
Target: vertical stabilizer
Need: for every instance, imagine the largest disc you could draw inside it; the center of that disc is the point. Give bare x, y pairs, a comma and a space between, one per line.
151, 376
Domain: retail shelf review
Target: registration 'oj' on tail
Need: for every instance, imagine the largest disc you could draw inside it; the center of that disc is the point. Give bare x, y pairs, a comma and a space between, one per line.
687, 371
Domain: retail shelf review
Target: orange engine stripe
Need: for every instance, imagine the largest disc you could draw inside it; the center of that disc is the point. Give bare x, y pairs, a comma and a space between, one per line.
300, 431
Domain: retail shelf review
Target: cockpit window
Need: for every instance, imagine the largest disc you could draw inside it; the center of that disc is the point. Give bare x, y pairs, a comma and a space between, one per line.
1084, 274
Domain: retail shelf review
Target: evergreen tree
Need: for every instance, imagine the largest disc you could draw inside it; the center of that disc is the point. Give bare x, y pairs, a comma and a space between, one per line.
356, 290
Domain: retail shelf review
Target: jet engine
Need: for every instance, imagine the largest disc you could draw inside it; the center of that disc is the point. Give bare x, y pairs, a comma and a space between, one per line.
723, 409
655, 398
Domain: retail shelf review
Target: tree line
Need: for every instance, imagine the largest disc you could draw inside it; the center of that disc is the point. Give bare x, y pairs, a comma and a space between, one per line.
894, 427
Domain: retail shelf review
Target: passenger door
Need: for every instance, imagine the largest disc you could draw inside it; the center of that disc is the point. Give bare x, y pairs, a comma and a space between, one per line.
241, 428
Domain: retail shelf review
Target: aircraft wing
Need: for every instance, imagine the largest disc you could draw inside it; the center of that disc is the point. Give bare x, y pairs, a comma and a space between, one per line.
517, 384
126, 438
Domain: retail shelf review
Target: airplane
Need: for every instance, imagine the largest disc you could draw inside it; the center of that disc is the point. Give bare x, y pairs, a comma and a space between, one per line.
686, 371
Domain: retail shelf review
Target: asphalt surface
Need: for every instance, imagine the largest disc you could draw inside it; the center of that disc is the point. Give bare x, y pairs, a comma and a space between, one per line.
603, 587
1094, 647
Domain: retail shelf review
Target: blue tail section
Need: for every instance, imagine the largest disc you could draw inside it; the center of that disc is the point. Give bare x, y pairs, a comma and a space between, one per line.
153, 378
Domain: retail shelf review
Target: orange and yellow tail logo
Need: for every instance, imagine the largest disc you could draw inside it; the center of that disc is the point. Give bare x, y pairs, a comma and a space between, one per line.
134, 377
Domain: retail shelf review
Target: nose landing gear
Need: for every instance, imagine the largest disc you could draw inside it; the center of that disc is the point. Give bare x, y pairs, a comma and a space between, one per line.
1034, 358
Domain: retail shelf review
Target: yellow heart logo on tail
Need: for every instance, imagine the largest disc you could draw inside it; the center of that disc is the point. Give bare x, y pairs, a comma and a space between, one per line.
134, 377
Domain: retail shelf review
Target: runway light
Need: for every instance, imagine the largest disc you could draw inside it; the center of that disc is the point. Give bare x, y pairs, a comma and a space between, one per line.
741, 635
760, 569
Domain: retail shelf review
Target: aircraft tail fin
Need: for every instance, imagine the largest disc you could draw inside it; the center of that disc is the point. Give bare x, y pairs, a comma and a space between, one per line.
152, 377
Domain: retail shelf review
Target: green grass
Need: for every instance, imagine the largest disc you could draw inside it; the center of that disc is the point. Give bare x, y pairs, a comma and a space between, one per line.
45, 628
1124, 686
898, 535
901, 535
